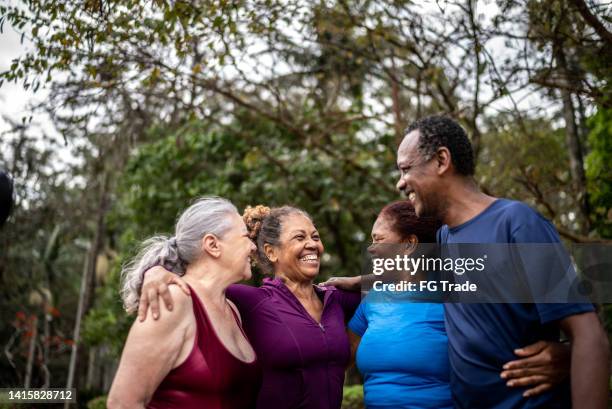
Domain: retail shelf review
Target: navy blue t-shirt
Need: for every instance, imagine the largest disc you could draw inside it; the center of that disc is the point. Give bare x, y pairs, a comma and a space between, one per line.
482, 337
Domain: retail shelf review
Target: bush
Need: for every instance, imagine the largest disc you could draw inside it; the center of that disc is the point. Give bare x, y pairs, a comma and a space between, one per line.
97, 403
352, 397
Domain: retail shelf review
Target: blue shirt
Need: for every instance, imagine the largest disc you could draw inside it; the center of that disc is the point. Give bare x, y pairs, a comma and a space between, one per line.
482, 337
403, 353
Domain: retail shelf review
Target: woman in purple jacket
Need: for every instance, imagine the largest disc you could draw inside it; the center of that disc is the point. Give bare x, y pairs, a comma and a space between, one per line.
296, 328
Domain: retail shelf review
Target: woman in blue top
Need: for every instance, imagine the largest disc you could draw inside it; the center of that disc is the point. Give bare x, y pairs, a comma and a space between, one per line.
401, 345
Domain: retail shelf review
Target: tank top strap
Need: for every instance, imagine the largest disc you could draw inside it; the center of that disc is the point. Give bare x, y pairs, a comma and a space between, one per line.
205, 330
235, 314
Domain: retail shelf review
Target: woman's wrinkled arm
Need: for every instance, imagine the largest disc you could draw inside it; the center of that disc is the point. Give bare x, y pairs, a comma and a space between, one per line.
150, 352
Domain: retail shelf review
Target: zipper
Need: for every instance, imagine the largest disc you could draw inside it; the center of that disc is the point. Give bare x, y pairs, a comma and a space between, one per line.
299, 305
297, 302
326, 296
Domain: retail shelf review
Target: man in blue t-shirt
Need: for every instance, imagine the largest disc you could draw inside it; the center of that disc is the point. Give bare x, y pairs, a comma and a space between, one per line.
436, 166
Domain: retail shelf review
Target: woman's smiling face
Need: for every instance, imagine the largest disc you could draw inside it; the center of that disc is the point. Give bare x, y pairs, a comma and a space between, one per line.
299, 255
385, 240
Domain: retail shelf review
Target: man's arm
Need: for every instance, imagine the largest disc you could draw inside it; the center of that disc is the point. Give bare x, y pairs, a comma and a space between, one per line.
590, 368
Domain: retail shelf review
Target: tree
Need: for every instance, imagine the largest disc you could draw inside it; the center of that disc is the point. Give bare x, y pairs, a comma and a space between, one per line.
598, 171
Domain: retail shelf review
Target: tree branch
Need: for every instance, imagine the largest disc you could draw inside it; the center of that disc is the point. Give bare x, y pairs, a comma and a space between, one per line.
593, 21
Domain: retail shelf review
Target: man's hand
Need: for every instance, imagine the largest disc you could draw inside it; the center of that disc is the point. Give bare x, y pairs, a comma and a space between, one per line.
344, 283
155, 285
543, 365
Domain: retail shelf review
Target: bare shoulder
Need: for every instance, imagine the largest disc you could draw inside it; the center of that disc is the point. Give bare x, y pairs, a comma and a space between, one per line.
181, 300
180, 317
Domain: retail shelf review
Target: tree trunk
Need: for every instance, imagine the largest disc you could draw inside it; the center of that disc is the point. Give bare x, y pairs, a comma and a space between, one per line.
88, 281
398, 120
45, 354
476, 136
572, 140
92, 369
31, 353
583, 127
77, 329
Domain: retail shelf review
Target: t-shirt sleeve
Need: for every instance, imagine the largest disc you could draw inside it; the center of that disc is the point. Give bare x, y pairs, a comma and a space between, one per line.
349, 300
245, 297
359, 323
556, 312
533, 228
536, 229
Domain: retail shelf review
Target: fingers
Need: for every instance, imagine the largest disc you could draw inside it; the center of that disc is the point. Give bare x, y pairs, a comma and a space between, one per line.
164, 293
526, 381
143, 305
153, 302
329, 282
537, 390
541, 358
522, 363
531, 349
526, 372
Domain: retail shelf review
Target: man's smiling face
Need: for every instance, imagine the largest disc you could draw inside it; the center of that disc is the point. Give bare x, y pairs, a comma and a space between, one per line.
418, 178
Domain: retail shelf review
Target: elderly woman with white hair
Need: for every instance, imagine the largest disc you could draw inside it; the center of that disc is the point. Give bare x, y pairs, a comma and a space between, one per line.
200, 357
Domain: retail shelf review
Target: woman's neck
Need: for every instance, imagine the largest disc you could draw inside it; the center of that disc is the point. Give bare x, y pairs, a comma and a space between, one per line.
210, 281
302, 289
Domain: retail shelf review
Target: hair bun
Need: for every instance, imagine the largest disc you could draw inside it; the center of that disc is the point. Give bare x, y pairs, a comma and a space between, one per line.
253, 218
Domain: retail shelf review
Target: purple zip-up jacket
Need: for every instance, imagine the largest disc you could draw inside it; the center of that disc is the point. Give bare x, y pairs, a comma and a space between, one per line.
303, 361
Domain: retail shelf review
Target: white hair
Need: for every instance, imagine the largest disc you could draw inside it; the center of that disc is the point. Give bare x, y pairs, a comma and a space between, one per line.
208, 215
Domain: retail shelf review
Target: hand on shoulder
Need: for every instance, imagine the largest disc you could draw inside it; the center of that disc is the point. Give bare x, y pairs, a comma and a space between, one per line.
170, 319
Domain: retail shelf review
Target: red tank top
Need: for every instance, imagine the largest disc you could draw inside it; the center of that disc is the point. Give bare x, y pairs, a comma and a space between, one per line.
211, 377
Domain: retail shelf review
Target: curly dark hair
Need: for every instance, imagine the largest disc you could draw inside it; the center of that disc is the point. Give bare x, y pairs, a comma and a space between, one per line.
436, 131
405, 222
